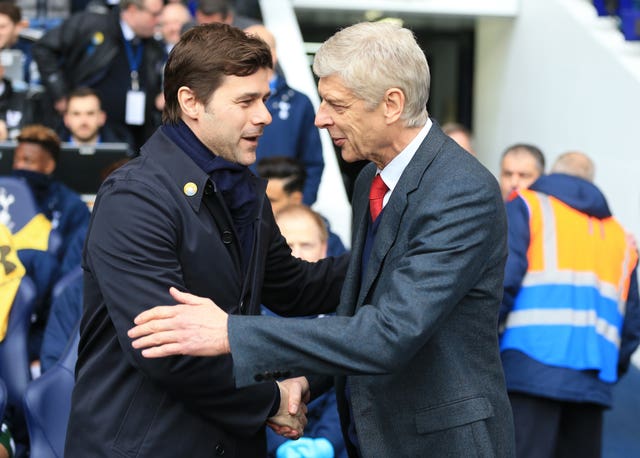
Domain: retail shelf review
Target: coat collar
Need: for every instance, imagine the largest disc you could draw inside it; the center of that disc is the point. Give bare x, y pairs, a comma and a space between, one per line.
185, 174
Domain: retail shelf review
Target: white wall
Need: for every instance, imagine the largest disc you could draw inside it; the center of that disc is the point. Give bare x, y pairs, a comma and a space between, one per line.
332, 200
560, 77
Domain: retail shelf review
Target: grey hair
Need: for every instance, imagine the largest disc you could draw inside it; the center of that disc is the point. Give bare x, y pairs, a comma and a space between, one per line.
371, 57
575, 163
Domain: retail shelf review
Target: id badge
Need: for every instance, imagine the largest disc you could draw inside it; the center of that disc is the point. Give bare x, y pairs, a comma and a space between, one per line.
134, 114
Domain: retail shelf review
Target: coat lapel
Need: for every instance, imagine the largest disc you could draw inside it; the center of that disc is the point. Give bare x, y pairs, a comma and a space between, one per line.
395, 208
359, 228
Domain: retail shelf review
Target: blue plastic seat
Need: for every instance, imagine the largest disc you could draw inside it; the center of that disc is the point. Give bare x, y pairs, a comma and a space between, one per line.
47, 403
3, 398
65, 281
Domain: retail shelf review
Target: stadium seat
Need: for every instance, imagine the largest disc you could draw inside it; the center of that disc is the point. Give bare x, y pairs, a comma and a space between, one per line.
18, 207
3, 398
64, 281
47, 403
14, 355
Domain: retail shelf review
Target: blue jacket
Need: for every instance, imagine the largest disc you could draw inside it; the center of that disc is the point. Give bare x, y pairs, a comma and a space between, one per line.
67, 212
64, 316
524, 374
292, 133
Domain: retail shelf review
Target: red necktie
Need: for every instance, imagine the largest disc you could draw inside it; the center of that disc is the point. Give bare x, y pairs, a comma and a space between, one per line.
376, 195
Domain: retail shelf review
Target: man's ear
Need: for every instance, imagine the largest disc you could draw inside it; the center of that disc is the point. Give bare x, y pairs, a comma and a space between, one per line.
188, 103
393, 104
102, 118
296, 197
49, 166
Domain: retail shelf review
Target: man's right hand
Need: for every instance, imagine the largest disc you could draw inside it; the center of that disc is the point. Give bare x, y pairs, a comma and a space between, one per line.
291, 418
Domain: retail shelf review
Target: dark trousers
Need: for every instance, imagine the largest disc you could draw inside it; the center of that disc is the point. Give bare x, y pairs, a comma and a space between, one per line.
546, 428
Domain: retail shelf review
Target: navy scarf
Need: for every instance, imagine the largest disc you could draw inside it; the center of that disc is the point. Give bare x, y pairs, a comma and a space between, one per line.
233, 180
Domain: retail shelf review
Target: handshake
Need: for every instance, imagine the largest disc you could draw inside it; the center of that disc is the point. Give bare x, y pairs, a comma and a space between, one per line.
291, 418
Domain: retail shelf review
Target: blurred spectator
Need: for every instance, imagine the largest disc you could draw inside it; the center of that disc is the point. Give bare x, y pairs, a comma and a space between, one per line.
51, 10
115, 54
84, 119
249, 8
520, 166
174, 17
460, 134
286, 178
15, 109
209, 11
35, 160
305, 232
11, 24
292, 131
307, 236
570, 311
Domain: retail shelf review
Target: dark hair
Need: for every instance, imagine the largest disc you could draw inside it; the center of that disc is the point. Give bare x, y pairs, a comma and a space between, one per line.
210, 7
12, 10
285, 168
83, 92
532, 150
43, 136
206, 54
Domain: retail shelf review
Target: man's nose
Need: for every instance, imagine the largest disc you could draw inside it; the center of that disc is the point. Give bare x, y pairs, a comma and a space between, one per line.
323, 120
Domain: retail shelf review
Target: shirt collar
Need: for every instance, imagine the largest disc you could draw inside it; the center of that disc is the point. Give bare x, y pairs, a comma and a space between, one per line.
127, 31
393, 170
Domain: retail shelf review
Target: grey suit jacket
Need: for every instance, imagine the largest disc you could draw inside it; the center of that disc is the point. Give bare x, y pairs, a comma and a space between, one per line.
416, 333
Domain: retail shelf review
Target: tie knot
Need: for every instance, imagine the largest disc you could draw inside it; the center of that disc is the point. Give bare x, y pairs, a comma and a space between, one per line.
378, 188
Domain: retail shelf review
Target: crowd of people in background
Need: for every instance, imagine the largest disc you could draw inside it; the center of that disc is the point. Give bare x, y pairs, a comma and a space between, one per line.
94, 75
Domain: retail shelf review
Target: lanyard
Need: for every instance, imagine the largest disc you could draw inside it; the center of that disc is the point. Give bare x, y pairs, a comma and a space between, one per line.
134, 63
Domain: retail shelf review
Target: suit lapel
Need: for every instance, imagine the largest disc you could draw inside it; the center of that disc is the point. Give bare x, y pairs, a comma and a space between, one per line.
360, 223
395, 208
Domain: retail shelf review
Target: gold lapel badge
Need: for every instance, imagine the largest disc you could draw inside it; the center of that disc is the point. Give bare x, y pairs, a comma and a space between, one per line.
190, 189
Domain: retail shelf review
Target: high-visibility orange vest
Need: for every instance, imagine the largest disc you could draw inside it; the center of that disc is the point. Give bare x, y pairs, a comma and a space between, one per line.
570, 308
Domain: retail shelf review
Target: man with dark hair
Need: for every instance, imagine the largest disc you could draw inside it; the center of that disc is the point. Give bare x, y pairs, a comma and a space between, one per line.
286, 180
520, 166
188, 214
114, 53
85, 120
34, 160
222, 11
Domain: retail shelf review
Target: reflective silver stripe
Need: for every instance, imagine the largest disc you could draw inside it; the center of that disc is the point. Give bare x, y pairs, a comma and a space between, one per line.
573, 278
622, 303
567, 317
549, 242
